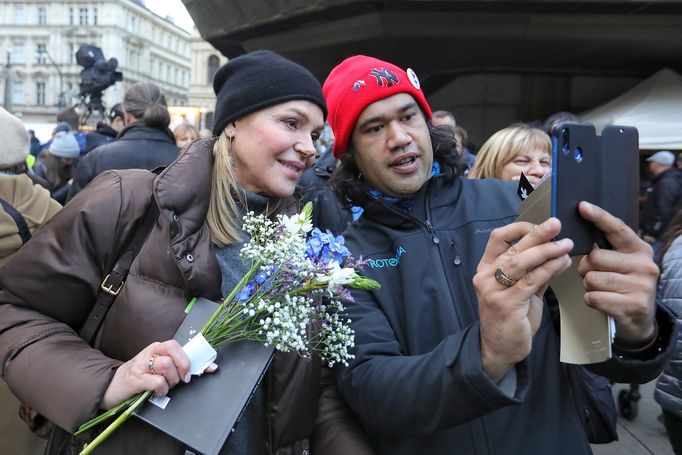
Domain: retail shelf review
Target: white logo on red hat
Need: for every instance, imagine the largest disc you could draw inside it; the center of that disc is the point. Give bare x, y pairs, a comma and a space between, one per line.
359, 83
414, 80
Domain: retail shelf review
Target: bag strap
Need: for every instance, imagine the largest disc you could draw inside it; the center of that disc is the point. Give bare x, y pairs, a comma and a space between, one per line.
24, 231
113, 282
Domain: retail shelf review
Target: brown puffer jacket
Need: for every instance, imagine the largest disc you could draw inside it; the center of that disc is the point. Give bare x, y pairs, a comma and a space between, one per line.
50, 368
32, 201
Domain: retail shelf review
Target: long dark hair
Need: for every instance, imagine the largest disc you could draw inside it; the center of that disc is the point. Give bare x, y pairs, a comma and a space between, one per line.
673, 231
351, 189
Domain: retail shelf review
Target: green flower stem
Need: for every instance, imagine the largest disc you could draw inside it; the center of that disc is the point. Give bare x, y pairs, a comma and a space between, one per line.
102, 417
139, 400
245, 279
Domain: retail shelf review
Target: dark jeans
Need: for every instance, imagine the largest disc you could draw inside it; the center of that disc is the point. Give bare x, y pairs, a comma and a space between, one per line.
673, 425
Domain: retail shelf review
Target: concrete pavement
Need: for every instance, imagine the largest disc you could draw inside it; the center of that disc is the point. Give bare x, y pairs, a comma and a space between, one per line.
644, 435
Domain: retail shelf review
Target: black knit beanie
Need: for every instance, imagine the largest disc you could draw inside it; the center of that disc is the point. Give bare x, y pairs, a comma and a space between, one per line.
258, 80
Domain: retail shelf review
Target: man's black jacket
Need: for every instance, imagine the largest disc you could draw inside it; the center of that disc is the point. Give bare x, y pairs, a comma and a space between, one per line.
416, 380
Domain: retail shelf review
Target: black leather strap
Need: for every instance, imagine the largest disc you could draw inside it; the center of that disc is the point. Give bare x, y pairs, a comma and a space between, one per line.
24, 231
113, 283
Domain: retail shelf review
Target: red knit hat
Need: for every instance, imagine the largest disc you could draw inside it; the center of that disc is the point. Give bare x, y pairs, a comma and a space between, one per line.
358, 82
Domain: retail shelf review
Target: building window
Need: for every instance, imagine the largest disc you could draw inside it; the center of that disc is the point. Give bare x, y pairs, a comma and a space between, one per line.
94, 16
70, 16
83, 16
213, 65
19, 18
42, 15
18, 93
40, 93
41, 54
18, 56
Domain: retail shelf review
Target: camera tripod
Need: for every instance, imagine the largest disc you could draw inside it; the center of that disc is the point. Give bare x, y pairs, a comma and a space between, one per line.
94, 111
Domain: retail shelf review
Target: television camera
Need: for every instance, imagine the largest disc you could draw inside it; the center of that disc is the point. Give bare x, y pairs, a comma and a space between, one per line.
97, 75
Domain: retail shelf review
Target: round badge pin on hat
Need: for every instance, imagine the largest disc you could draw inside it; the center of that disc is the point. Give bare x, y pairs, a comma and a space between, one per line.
414, 80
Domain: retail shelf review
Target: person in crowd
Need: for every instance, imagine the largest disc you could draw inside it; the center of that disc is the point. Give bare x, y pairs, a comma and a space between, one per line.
456, 349
559, 117
443, 117
25, 207
447, 118
144, 143
663, 198
668, 391
71, 118
269, 111
34, 146
205, 133
678, 163
59, 128
56, 166
514, 150
184, 135
106, 131
461, 138
315, 187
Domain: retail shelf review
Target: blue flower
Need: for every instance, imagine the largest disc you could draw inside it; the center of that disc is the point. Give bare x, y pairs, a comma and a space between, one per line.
326, 255
338, 248
245, 292
262, 275
315, 243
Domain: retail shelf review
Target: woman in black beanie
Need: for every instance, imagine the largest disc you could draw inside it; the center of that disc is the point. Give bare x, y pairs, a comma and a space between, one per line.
269, 112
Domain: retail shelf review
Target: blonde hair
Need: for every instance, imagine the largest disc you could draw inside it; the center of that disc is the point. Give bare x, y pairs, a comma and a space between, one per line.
505, 145
224, 215
182, 128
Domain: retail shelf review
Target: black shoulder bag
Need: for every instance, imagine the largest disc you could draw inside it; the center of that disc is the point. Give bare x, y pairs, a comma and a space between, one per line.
24, 231
113, 282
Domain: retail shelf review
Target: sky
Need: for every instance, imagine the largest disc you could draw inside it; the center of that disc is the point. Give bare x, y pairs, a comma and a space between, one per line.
173, 8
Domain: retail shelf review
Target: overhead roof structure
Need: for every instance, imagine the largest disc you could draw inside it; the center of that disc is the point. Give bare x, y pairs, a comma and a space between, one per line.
654, 107
442, 39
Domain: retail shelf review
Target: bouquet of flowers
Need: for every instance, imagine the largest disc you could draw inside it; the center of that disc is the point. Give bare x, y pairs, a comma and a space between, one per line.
279, 299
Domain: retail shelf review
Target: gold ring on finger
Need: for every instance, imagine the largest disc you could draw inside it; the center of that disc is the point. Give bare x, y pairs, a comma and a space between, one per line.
503, 278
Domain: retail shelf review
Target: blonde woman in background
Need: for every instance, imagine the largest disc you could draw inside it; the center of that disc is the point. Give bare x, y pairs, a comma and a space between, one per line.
511, 151
185, 134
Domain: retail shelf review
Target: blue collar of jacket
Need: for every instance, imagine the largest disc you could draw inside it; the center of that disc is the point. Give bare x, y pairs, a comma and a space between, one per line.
405, 203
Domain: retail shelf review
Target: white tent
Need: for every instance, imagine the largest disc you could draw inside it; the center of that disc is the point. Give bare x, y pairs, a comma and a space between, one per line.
654, 107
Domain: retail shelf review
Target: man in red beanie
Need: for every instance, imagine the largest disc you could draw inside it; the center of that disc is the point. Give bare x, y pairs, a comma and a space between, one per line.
456, 352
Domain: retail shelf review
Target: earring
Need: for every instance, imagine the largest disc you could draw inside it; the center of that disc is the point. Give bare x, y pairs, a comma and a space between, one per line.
229, 150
